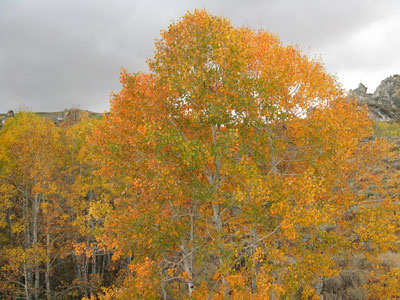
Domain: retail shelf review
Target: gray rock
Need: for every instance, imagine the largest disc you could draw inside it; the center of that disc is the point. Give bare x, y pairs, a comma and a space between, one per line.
388, 92
384, 103
360, 93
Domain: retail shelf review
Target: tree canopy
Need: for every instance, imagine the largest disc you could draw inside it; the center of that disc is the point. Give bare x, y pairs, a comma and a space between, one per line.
234, 158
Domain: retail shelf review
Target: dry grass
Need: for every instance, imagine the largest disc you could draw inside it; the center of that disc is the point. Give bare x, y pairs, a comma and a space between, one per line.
389, 260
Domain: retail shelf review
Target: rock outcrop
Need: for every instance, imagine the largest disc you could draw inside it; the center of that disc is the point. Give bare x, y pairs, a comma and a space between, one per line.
384, 103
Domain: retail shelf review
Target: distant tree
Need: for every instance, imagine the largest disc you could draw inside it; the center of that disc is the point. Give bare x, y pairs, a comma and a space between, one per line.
46, 189
29, 164
83, 189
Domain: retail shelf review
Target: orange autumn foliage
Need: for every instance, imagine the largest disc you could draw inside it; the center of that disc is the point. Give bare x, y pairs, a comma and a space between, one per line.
229, 163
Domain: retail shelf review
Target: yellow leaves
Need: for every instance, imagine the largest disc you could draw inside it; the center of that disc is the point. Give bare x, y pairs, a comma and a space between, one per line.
386, 285
17, 257
99, 210
259, 255
140, 285
18, 227
289, 229
268, 286
31, 145
237, 283
217, 275
309, 293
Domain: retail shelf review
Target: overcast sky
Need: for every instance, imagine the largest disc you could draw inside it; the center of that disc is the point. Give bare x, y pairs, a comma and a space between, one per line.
57, 54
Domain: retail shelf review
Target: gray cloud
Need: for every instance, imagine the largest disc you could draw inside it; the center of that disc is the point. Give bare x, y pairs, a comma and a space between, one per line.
59, 54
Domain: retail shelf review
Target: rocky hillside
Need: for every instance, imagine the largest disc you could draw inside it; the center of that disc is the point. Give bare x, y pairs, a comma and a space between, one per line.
384, 103
57, 117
